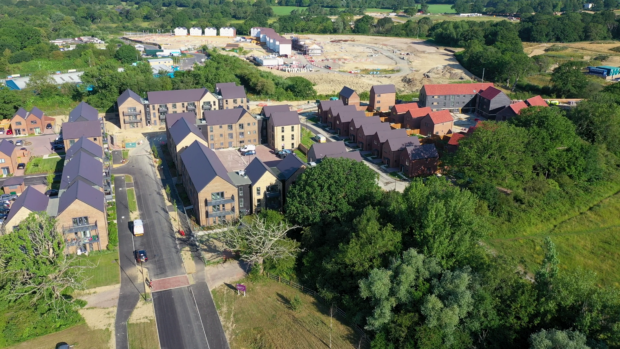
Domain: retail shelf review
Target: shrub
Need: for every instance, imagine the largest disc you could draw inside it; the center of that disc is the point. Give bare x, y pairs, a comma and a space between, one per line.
556, 48
296, 303
112, 235
21, 56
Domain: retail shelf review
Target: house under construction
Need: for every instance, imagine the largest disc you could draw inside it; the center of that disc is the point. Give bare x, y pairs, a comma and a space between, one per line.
307, 47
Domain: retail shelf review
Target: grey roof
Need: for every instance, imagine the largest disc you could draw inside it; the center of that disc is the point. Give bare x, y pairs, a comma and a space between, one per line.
203, 165
81, 191
13, 181
223, 116
268, 109
256, 169
82, 167
182, 129
171, 119
363, 120
32, 199
126, 95
325, 105
285, 118
83, 112
75, 130
402, 142
6, 147
347, 115
385, 135
229, 90
22, 112
177, 96
239, 180
37, 112
346, 92
84, 144
354, 155
341, 108
321, 150
383, 89
425, 151
220, 85
371, 129
289, 166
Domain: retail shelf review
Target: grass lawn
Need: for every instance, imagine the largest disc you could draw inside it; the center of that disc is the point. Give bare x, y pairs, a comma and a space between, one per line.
264, 318
125, 154
142, 335
44, 64
128, 179
131, 197
38, 165
81, 336
301, 155
106, 272
306, 137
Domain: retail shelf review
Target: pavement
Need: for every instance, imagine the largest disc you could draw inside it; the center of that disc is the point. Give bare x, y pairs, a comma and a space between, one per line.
188, 63
117, 157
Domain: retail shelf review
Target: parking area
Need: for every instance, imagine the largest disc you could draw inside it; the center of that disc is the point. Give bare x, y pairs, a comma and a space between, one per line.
462, 121
233, 160
39, 145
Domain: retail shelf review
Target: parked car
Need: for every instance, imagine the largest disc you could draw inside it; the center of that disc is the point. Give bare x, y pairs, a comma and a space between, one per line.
4, 197
250, 152
320, 139
9, 132
283, 153
11, 141
248, 148
141, 256
48, 127
1, 131
52, 193
21, 166
19, 142
58, 146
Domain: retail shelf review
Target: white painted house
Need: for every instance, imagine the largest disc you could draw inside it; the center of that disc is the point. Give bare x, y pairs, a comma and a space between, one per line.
195, 31
274, 41
210, 31
588, 6
228, 31
180, 31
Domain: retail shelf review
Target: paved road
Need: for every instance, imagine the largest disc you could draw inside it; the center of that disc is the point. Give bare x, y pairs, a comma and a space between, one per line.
131, 285
188, 63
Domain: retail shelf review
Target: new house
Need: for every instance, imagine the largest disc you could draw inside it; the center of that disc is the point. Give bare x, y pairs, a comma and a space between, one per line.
413, 118
397, 113
86, 146
229, 128
334, 110
452, 97
266, 189
366, 132
162, 103
510, 111
382, 97
232, 96
83, 112
393, 147
131, 113
536, 101
171, 119
34, 122
284, 130
490, 102
31, 200
453, 143
319, 151
324, 106
419, 160
379, 139
182, 135
73, 131
342, 121
437, 123
85, 168
11, 156
288, 170
357, 122
348, 96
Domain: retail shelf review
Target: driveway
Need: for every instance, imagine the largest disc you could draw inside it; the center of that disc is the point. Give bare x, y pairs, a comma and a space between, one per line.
233, 160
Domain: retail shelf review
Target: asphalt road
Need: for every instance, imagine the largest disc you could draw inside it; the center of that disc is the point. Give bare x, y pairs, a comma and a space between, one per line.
178, 321
188, 63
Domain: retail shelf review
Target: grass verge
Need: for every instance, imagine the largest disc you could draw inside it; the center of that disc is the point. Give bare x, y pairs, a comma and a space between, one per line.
301, 155
142, 335
106, 272
266, 319
306, 138
38, 165
128, 179
131, 198
81, 336
125, 154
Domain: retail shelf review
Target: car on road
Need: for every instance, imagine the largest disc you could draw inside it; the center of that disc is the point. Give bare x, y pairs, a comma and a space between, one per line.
21, 166
141, 256
283, 153
52, 193
320, 139
249, 152
5, 197
11, 141
19, 142
248, 148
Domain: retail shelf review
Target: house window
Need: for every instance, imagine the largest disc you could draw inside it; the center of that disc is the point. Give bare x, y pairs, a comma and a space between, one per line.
210, 128
293, 128
283, 137
379, 95
18, 123
282, 129
229, 127
211, 137
230, 144
2, 161
248, 124
217, 195
240, 191
241, 142
221, 127
241, 202
292, 145
258, 202
292, 137
230, 136
240, 134
212, 145
234, 101
174, 105
258, 191
253, 124
95, 139
80, 221
34, 122
241, 126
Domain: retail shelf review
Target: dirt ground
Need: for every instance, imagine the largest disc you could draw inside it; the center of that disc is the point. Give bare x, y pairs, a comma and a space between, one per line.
100, 318
143, 312
588, 49
101, 297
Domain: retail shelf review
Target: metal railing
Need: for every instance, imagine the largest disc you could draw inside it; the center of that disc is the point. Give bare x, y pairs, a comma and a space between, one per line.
82, 241
132, 113
132, 120
219, 213
76, 229
221, 201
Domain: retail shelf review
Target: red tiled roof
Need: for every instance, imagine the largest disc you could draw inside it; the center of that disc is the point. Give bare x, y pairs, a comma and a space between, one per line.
455, 89
517, 107
490, 93
536, 102
454, 140
403, 108
416, 113
439, 117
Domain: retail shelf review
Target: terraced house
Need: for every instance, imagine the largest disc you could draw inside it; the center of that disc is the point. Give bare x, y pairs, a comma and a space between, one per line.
357, 122
343, 120
34, 122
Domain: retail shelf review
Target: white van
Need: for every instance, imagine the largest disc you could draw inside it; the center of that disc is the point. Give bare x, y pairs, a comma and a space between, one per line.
138, 228
248, 147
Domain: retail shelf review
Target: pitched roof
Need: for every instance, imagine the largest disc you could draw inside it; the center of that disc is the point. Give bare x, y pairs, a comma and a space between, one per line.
439, 117
402, 142
323, 149
285, 118
83, 192
456, 137
6, 147
289, 166
229, 90
416, 113
403, 108
21, 112
516, 107
359, 120
270, 33
256, 169
383, 89
203, 165
32, 199
348, 115
75, 130
387, 134
325, 105
82, 166
127, 94
455, 89
346, 92
269, 109
490, 93
182, 129
37, 112
176, 96
536, 101
171, 119
339, 108
83, 111
425, 151
371, 129
223, 116
13, 181
84, 144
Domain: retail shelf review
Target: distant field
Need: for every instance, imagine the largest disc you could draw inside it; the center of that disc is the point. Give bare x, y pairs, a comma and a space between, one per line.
286, 10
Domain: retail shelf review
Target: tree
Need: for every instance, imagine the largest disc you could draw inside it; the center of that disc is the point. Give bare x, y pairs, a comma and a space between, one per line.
556, 339
50, 180
598, 120
10, 101
568, 80
35, 264
461, 6
42, 84
127, 54
300, 87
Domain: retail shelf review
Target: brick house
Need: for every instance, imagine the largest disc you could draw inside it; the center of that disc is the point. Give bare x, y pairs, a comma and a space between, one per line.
162, 103
453, 143
413, 118
366, 132
319, 151
85, 112
14, 186
229, 128
283, 129
536, 101
33, 122
324, 106
490, 102
382, 97
348, 96
419, 160
130, 108
333, 111
510, 111
73, 131
30, 200
393, 147
288, 170
357, 122
266, 190
171, 119
343, 119
182, 135
452, 97
437, 123
232, 96
379, 139
209, 187
11, 156
397, 112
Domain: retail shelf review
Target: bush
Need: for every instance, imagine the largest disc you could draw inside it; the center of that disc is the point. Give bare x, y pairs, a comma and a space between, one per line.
112, 235
21, 56
556, 48
296, 303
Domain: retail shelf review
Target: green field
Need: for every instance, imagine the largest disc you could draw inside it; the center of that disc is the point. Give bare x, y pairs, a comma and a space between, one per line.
286, 10
142, 335
106, 271
39, 165
81, 336
306, 138
301, 155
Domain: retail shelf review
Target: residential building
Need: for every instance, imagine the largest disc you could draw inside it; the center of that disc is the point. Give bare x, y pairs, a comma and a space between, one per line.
342, 121
437, 123
382, 97
357, 122
83, 112
131, 113
86, 146
393, 147
266, 188
171, 119
210, 31
453, 143
323, 108
334, 110
348, 96
195, 31
162, 103
275, 42
413, 118
229, 128
490, 102
318, 151
31, 200
73, 131
419, 160
379, 139
536, 101
511, 111
182, 135
13, 185
166, 62
284, 130
232, 96
180, 31
228, 31
81, 218
288, 170
453, 97
244, 191
33, 122
210, 189
366, 132
269, 109
11, 156
397, 112
85, 168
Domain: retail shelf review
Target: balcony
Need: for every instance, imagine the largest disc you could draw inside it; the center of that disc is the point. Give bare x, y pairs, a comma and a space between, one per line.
272, 194
132, 120
132, 113
82, 241
163, 109
191, 107
75, 229
220, 201
219, 213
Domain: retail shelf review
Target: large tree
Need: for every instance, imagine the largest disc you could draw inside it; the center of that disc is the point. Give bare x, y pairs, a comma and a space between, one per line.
127, 54
568, 80
598, 120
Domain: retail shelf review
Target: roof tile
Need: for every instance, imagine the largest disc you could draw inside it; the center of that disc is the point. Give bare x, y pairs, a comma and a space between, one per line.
455, 89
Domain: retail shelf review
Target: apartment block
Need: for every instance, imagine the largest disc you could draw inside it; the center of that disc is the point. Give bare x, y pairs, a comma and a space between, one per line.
382, 97
231, 96
162, 103
452, 97
131, 112
229, 128
284, 130
182, 135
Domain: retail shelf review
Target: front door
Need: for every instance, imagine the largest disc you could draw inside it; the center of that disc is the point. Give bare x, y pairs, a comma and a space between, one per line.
37, 130
18, 132
387, 162
5, 171
361, 144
